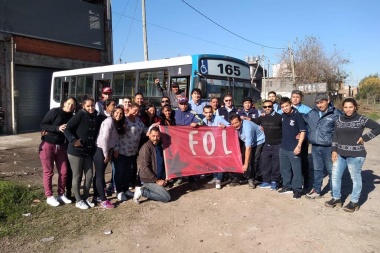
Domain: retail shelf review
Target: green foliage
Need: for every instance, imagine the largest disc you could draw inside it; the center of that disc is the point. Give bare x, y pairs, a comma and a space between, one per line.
369, 87
374, 116
15, 200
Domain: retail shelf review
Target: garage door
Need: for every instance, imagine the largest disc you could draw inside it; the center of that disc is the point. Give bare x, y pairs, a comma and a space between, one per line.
32, 103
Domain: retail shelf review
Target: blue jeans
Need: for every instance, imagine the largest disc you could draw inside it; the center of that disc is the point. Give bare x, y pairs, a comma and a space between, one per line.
321, 160
155, 192
354, 165
218, 176
291, 171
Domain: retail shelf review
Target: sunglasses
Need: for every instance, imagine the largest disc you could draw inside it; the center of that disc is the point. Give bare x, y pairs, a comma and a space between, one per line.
267, 106
227, 100
165, 101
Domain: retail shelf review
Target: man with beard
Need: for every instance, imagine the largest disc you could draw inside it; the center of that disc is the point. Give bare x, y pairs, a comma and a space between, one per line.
151, 169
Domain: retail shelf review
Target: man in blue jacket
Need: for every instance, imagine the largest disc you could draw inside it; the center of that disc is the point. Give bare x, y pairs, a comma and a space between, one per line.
320, 122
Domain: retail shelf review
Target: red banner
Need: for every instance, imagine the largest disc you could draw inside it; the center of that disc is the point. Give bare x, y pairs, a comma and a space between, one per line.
192, 151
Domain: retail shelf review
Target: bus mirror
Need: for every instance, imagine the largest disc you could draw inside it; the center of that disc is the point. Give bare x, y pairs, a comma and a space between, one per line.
202, 85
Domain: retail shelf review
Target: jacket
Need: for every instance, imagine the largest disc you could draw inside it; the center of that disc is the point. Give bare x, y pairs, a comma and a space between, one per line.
147, 163
82, 126
186, 118
50, 125
222, 111
321, 129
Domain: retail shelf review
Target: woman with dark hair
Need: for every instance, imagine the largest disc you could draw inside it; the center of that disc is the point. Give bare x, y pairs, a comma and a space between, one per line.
167, 116
151, 111
53, 149
108, 107
81, 134
348, 151
126, 151
106, 141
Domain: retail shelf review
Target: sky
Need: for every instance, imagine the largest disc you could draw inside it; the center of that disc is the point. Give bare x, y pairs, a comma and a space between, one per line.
241, 28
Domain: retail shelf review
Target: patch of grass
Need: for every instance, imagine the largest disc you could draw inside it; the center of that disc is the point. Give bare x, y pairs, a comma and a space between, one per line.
374, 116
15, 200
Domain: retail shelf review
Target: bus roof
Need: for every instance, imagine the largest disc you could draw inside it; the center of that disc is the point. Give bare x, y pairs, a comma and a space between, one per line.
175, 61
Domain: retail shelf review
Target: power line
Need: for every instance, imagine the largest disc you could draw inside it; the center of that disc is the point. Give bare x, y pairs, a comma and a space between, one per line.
191, 36
125, 7
129, 32
237, 35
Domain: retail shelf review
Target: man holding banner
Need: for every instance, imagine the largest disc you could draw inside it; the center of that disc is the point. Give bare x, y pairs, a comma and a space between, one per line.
151, 169
250, 138
212, 120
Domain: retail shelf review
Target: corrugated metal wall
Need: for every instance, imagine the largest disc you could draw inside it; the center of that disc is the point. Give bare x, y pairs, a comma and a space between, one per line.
32, 103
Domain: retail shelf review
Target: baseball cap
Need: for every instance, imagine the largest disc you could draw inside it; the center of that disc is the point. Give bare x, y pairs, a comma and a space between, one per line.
107, 90
182, 100
175, 85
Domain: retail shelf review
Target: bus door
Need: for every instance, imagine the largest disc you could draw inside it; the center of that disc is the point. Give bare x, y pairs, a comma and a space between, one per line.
99, 85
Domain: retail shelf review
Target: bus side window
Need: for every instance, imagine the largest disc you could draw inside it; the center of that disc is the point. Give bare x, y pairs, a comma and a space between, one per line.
57, 90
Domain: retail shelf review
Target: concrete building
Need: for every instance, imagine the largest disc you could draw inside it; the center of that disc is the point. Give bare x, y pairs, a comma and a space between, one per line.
42, 36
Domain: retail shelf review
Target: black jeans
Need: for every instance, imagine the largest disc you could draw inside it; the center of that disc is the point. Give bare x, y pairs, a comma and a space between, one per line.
270, 163
99, 183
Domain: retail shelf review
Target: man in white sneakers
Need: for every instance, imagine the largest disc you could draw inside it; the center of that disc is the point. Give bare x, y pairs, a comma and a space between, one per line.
151, 168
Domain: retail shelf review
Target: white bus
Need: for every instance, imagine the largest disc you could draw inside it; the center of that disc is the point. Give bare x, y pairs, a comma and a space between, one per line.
215, 75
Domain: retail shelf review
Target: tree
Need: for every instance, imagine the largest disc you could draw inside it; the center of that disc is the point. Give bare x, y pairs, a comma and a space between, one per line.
312, 64
369, 88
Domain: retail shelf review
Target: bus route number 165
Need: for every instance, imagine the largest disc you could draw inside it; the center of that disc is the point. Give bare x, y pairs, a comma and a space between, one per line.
229, 69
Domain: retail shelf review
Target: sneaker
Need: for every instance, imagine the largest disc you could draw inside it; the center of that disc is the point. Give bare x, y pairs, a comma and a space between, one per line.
121, 196
264, 185
313, 195
351, 207
251, 184
81, 205
106, 205
273, 186
52, 201
178, 182
234, 182
285, 190
137, 195
333, 202
63, 199
129, 194
89, 203
297, 195
218, 184
98, 199
212, 181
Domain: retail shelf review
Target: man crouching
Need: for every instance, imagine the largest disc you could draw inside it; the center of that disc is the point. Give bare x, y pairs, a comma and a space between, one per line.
151, 169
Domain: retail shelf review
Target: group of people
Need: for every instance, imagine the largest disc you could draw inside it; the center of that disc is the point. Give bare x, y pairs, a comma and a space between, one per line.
273, 141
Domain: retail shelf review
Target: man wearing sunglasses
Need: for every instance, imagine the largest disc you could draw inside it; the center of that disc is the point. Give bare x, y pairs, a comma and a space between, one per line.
165, 100
271, 123
228, 110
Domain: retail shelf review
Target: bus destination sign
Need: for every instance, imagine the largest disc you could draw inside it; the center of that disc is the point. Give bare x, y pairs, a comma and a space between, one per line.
223, 68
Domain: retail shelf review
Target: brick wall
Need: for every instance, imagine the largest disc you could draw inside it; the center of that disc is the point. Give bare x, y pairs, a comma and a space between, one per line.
54, 49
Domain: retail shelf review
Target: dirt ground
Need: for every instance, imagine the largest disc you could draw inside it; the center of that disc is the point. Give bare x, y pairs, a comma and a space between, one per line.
209, 220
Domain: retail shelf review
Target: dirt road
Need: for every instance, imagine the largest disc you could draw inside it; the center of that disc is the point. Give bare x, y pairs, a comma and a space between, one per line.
209, 220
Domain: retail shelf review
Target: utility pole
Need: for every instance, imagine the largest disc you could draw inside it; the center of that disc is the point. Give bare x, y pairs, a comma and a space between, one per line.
263, 88
292, 64
145, 39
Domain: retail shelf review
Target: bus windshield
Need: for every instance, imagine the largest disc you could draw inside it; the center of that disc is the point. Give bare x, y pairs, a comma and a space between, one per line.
238, 89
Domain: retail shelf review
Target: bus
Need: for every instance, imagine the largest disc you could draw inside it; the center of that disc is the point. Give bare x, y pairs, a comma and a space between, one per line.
215, 75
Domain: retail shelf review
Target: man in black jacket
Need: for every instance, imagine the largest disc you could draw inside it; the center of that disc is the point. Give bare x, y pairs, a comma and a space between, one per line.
151, 169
